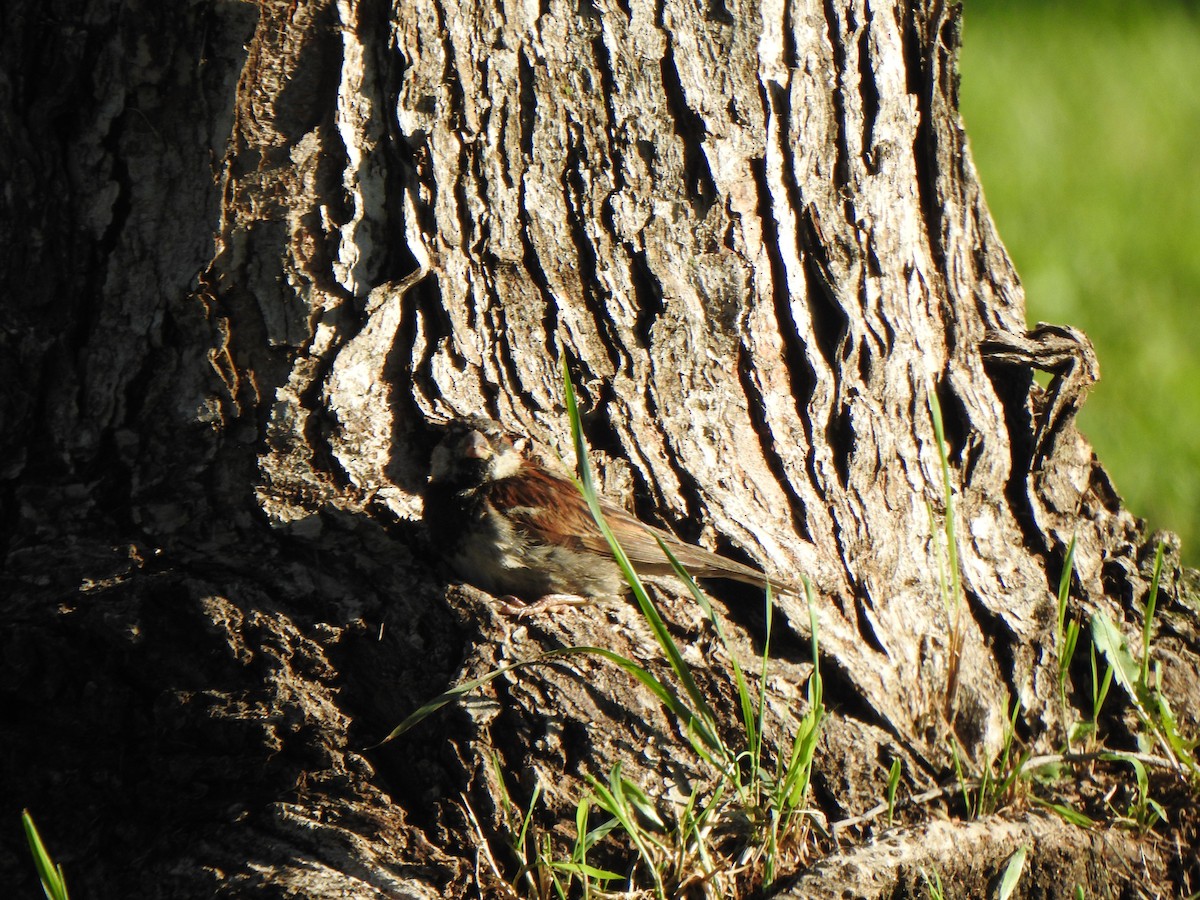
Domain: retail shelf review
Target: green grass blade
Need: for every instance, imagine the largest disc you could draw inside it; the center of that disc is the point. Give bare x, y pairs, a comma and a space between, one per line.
796, 776
1100, 685
452, 695
664, 694
761, 722
1070, 642
933, 884
1064, 590
1148, 623
527, 820
750, 719
585, 869
1184, 747
54, 883
1012, 873
960, 775
704, 721
1112, 645
1068, 814
611, 798
893, 784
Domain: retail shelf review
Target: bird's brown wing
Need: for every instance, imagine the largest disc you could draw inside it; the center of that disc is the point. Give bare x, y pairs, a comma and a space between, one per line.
551, 509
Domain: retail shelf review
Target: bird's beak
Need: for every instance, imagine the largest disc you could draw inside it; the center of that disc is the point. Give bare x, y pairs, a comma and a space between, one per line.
477, 447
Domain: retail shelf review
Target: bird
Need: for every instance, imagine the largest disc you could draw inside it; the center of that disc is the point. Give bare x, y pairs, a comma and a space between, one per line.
510, 525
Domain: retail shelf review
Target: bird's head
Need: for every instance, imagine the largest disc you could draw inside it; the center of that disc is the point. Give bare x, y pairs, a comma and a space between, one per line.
473, 452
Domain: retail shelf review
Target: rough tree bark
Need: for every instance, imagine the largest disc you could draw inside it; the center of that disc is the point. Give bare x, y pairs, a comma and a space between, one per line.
253, 252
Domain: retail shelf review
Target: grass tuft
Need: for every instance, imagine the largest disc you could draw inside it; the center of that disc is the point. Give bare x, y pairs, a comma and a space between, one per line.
743, 823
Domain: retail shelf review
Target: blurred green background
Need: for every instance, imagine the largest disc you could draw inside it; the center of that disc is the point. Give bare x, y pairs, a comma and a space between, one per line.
1084, 123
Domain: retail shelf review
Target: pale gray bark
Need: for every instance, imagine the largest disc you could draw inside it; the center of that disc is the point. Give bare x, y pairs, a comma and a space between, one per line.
254, 254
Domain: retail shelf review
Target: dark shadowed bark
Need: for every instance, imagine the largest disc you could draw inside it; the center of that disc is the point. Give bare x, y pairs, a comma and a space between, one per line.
253, 254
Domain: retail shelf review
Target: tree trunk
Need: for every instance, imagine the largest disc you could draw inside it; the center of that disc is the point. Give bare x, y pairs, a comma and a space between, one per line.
255, 254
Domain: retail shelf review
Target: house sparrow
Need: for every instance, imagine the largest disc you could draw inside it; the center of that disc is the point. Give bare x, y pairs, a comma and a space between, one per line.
512, 527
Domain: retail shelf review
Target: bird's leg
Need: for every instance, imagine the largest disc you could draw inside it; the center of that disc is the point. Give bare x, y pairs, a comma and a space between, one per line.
515, 606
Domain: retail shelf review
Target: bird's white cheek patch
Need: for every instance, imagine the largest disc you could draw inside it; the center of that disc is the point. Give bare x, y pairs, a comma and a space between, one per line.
506, 464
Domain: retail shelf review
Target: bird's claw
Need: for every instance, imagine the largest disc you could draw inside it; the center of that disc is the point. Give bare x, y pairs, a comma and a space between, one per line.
514, 606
